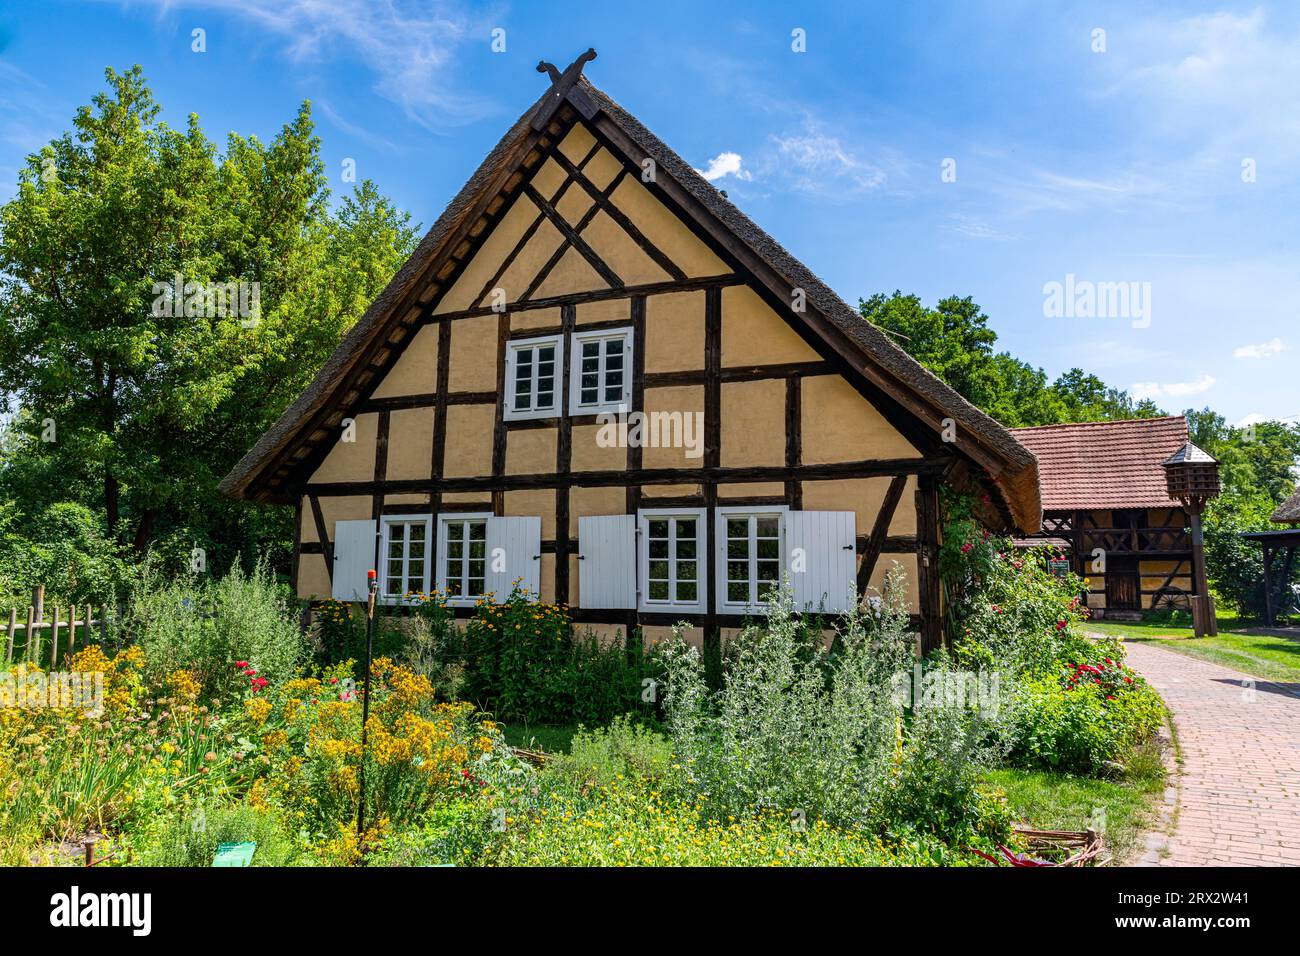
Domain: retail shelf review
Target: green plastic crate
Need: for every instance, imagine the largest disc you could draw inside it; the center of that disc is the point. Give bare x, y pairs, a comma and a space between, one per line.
234, 854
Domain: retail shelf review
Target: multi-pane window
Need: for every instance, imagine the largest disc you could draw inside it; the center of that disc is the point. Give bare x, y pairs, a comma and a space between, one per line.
464, 558
406, 557
601, 377
752, 566
672, 545
533, 371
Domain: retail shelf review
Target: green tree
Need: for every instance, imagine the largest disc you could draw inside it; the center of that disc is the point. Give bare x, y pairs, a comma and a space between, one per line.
161, 303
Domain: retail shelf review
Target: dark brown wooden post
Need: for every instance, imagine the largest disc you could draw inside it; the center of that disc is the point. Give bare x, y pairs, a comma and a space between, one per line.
927, 562
1268, 587
103, 624
28, 646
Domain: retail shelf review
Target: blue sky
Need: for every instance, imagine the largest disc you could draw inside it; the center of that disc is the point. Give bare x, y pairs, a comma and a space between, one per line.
1161, 152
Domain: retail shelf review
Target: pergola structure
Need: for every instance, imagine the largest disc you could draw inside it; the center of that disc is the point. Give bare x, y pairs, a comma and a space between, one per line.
1287, 542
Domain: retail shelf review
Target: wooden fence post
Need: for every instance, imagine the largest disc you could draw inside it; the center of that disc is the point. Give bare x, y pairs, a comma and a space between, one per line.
72, 631
103, 625
54, 638
9, 643
27, 634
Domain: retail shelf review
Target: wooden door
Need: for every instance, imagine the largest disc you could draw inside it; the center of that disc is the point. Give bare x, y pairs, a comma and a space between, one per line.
1122, 584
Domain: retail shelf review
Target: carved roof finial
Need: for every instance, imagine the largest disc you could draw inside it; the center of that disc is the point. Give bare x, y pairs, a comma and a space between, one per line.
561, 86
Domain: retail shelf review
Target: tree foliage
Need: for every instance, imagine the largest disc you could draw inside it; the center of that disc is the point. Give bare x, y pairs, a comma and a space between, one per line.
162, 301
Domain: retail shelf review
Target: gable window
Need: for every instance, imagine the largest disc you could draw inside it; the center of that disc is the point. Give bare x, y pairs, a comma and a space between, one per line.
405, 567
672, 560
749, 560
601, 377
533, 368
462, 566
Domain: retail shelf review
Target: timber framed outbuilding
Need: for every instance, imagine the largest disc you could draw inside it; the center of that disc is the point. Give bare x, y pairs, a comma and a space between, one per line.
1106, 506
597, 376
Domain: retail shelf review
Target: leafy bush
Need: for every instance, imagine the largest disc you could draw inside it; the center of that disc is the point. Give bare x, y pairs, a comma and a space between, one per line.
202, 626
191, 838
621, 750
66, 548
459, 831
790, 731
524, 663
1085, 720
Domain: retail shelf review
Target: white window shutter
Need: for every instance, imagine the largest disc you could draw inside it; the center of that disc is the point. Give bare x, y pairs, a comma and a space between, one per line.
821, 556
514, 545
607, 565
354, 556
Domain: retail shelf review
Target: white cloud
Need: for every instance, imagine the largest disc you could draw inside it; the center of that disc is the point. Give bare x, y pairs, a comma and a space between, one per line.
817, 162
1261, 351
1217, 78
1141, 390
410, 47
1254, 418
725, 164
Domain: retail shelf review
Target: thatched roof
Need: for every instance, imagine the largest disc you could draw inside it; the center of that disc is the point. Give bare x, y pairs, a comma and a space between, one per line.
1012, 469
1288, 512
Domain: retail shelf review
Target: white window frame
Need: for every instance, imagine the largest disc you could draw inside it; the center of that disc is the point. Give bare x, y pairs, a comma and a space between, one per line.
624, 402
672, 605
386, 523
464, 600
721, 558
513, 348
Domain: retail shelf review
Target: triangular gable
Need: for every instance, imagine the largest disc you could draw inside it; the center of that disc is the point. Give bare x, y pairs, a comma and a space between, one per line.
513, 197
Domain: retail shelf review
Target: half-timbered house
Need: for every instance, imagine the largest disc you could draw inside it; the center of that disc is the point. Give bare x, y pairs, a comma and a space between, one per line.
1106, 505
597, 375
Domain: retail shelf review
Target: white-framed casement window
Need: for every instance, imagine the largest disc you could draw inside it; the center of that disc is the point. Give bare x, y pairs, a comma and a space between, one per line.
750, 555
462, 557
534, 368
671, 546
600, 377
405, 550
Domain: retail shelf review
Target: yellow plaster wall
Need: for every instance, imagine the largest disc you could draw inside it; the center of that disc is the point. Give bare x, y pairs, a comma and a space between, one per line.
416, 369
586, 454
313, 577
473, 365
485, 262
674, 332
752, 334
665, 230
603, 310
840, 425
468, 449
410, 444
862, 496
625, 257
753, 423
541, 320
908, 563
685, 399
354, 460
531, 451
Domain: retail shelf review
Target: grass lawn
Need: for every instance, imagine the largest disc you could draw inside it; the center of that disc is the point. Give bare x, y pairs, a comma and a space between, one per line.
1275, 658
548, 738
1046, 800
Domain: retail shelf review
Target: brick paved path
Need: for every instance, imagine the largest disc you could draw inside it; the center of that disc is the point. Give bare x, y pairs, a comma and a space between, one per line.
1239, 791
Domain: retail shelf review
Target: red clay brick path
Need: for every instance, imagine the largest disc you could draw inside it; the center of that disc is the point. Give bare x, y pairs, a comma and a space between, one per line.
1239, 790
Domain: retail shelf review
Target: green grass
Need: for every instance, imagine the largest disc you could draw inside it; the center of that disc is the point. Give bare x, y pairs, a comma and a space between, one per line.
1274, 658
548, 738
1046, 800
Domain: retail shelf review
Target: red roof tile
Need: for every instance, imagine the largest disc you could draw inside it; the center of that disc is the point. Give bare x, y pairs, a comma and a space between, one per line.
1104, 464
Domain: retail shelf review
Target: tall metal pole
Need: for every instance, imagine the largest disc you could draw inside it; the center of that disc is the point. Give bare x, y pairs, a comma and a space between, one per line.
372, 589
